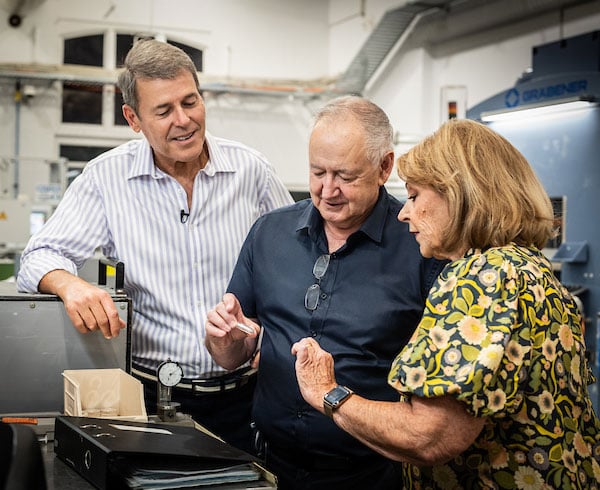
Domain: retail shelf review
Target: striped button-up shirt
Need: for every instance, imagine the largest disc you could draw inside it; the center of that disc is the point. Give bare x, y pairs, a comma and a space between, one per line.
177, 265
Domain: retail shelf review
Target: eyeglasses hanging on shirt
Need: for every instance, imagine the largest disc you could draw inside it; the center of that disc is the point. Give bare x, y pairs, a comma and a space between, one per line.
313, 293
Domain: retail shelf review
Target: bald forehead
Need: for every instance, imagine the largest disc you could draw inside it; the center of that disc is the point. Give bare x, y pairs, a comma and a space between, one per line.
338, 127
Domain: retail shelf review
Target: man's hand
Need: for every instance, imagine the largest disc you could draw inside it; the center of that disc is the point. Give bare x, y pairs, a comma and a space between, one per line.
229, 344
89, 307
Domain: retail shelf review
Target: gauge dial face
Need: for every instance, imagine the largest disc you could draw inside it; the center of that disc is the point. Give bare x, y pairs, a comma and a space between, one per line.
170, 373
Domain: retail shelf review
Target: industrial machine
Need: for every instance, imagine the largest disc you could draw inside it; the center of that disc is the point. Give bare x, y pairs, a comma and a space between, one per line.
38, 343
552, 116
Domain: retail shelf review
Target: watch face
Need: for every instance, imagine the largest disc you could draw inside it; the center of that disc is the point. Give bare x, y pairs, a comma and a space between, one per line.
337, 395
169, 373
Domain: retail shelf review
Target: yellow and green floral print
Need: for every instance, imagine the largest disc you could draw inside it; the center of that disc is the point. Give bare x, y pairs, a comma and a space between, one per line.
502, 335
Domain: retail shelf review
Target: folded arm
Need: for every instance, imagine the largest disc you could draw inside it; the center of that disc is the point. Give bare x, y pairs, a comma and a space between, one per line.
421, 431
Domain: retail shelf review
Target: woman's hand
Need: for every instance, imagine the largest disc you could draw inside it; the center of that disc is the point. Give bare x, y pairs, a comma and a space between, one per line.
314, 371
422, 431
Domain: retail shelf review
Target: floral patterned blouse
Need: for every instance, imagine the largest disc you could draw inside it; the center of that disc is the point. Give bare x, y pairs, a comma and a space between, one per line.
502, 335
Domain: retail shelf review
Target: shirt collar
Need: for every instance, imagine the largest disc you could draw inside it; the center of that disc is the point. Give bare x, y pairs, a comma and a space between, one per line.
143, 163
311, 221
217, 160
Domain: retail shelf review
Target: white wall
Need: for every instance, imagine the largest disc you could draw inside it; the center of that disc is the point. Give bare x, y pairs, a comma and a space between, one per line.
266, 39
243, 38
484, 63
272, 40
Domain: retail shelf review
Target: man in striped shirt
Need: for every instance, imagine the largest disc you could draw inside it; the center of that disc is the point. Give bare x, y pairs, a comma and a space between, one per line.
174, 206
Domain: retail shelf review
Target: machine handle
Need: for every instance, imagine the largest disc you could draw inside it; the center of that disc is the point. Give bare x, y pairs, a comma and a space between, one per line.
103, 264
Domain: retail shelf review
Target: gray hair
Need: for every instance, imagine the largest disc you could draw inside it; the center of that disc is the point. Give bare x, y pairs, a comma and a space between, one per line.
152, 59
379, 134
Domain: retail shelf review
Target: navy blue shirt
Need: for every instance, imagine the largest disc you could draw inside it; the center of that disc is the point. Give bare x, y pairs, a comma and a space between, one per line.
373, 295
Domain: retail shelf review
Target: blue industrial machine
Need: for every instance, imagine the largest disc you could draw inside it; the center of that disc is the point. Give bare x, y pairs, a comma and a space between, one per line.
552, 115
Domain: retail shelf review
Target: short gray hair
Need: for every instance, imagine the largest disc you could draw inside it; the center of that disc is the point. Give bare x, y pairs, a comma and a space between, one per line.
152, 59
379, 134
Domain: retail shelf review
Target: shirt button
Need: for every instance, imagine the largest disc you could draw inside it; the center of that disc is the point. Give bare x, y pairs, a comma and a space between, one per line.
313, 333
323, 296
299, 414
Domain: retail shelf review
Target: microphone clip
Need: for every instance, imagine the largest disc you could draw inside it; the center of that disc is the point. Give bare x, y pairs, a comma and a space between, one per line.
183, 216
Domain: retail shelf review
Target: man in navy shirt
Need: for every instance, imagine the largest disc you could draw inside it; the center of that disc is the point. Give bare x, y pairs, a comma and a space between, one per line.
339, 267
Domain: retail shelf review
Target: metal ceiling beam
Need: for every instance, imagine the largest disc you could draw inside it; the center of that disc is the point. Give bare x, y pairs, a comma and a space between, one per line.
395, 25
458, 17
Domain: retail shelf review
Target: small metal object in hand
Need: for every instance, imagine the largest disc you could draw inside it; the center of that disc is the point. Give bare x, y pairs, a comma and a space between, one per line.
245, 328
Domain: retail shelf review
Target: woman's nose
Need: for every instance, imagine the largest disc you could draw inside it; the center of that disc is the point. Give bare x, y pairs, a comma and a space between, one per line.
403, 214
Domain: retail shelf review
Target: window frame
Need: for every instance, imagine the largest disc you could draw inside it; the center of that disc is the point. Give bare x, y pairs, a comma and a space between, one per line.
120, 133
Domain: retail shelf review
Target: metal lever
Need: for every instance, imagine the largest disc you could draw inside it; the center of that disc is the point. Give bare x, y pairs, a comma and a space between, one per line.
103, 264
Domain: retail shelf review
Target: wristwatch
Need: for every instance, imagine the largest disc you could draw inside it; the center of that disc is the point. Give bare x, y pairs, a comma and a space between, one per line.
333, 399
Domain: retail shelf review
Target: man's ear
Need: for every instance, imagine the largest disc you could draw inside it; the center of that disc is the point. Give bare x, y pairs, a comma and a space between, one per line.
131, 118
385, 167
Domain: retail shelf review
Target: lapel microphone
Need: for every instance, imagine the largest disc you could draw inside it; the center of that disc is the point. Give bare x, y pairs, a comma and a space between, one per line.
183, 216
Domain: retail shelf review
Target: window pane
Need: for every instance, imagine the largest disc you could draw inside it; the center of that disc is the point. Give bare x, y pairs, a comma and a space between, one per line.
82, 103
118, 111
195, 54
124, 43
85, 50
75, 153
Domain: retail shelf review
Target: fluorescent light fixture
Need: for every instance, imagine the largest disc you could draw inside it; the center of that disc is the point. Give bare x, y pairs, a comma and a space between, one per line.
533, 110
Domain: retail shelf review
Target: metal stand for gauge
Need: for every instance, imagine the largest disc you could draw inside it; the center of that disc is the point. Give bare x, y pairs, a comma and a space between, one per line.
169, 374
